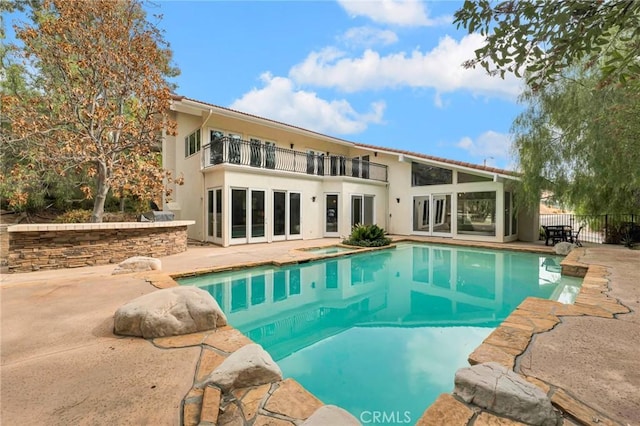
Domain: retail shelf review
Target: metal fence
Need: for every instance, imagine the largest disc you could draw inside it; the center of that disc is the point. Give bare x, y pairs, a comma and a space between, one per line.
268, 156
601, 229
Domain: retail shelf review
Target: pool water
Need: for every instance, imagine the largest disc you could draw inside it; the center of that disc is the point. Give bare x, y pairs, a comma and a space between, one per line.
382, 333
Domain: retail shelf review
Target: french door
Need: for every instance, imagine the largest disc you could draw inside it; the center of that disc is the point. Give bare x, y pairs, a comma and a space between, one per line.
432, 214
248, 208
214, 215
286, 216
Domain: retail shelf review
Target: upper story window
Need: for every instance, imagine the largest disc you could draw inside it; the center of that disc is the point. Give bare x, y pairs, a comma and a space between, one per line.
192, 143
422, 175
466, 178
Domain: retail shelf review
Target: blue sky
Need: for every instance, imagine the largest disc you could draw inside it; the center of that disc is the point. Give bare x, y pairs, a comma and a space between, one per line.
380, 72
384, 72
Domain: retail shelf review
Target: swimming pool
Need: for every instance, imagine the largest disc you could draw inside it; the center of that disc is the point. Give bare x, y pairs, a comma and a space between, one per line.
384, 331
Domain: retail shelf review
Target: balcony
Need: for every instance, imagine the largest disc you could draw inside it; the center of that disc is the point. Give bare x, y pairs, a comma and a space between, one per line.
228, 150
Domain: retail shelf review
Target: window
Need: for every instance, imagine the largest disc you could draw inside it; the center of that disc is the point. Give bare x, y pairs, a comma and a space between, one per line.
361, 210
422, 175
192, 143
466, 178
477, 213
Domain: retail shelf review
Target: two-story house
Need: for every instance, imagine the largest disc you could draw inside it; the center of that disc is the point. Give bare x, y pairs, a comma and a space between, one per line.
248, 179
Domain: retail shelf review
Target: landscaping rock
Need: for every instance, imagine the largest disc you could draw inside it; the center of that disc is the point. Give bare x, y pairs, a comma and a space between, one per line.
563, 248
248, 366
331, 415
137, 264
169, 312
496, 388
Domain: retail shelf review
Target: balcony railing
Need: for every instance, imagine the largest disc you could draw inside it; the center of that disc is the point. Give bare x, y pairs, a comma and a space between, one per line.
256, 154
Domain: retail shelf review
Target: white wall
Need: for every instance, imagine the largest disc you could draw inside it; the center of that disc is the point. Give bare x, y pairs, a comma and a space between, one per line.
393, 200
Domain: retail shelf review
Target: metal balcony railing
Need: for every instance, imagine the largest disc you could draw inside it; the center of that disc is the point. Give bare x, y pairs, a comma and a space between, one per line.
266, 156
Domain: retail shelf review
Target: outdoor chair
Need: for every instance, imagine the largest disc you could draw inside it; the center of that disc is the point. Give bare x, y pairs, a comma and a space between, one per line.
575, 237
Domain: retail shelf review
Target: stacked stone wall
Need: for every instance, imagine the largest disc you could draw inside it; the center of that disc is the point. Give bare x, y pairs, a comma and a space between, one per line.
4, 249
46, 249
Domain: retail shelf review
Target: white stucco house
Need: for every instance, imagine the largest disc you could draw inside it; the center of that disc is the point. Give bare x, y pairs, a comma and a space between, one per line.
248, 179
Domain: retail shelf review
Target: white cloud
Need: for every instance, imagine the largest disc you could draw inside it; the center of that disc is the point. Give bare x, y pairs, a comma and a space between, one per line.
279, 100
490, 145
411, 13
440, 69
368, 37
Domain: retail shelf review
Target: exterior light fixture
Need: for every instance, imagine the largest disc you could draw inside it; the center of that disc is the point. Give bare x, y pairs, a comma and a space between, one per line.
313, 198
291, 146
398, 200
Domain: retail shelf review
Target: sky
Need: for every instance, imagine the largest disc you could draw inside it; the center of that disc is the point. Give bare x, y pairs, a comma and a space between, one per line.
383, 72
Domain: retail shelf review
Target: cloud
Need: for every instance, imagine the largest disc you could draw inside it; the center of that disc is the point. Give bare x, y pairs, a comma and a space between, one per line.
410, 13
279, 100
440, 69
368, 37
490, 146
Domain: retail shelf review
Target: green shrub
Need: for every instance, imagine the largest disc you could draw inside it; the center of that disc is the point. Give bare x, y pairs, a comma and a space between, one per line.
367, 236
75, 216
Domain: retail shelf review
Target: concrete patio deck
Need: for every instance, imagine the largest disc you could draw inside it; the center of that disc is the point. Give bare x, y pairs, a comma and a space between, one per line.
61, 364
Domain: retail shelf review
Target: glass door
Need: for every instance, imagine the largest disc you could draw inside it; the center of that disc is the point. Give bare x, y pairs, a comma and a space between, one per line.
238, 216
279, 215
441, 211
432, 214
286, 215
331, 215
257, 218
214, 215
294, 216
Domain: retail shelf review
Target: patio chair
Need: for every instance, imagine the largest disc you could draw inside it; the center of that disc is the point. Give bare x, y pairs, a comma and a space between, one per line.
575, 237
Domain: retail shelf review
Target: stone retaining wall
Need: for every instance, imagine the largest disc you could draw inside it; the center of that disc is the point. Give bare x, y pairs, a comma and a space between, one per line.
4, 249
39, 247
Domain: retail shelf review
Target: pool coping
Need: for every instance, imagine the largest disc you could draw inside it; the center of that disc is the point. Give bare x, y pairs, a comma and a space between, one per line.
514, 335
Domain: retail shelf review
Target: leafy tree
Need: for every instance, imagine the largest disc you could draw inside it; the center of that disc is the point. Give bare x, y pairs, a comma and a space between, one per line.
581, 142
97, 101
545, 38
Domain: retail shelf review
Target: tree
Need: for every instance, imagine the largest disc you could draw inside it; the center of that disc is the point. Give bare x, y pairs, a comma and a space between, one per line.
99, 98
545, 38
581, 142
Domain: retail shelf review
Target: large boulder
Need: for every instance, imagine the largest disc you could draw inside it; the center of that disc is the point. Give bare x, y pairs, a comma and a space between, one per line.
563, 248
169, 312
250, 365
137, 264
496, 388
331, 415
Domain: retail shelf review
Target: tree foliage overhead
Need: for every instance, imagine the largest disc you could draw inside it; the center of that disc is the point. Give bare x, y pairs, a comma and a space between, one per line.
582, 143
542, 39
579, 135
96, 101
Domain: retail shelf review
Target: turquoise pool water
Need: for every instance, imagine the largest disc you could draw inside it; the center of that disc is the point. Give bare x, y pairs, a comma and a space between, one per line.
382, 333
